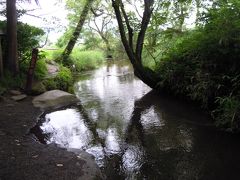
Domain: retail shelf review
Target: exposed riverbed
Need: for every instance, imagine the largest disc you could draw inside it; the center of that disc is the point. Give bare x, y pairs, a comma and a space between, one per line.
135, 133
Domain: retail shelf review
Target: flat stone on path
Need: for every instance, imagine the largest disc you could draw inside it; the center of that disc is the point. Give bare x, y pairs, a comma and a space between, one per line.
54, 99
15, 92
19, 97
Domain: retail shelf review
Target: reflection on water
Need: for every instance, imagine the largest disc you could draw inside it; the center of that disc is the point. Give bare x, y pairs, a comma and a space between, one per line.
135, 133
67, 128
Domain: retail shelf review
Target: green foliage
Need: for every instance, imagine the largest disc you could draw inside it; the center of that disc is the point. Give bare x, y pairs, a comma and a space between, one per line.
228, 112
203, 64
80, 60
40, 69
50, 84
86, 60
28, 38
63, 80
92, 41
54, 55
9, 81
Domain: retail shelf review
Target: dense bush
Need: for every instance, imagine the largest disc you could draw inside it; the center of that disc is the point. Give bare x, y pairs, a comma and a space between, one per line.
204, 64
28, 38
63, 80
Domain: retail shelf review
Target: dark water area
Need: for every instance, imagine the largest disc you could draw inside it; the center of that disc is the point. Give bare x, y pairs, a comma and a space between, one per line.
136, 133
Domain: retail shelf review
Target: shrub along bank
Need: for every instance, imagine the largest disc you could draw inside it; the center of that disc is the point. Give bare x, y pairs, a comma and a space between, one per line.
203, 64
78, 61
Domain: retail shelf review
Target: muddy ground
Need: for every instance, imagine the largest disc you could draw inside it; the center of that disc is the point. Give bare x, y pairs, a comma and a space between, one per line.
23, 158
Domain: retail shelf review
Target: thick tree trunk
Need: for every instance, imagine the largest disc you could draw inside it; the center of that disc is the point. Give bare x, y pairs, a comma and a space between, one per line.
12, 58
135, 55
77, 31
147, 76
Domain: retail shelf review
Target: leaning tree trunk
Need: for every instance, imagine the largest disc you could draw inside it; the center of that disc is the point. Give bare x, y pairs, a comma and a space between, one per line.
12, 58
77, 31
135, 53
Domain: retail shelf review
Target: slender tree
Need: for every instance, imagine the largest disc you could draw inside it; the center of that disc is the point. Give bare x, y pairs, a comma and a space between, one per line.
135, 53
77, 30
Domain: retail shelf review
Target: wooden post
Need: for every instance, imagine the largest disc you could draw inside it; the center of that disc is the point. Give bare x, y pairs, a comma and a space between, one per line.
31, 69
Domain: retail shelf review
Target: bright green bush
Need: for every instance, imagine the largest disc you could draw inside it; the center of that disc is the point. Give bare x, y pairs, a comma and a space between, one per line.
50, 84
63, 80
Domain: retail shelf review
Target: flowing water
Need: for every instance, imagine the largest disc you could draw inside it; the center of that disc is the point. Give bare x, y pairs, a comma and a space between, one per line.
135, 133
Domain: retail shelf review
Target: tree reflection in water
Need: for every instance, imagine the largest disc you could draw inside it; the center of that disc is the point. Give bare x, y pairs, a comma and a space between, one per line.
137, 134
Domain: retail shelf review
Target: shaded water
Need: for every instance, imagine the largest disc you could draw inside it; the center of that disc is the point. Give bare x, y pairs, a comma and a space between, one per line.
135, 133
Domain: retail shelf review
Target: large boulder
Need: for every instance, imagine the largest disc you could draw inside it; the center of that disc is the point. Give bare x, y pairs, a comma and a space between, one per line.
54, 99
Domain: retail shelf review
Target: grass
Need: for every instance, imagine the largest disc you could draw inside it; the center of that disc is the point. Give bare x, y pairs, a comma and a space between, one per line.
87, 60
80, 60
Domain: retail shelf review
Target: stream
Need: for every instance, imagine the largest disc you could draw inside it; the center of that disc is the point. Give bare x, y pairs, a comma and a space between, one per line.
136, 133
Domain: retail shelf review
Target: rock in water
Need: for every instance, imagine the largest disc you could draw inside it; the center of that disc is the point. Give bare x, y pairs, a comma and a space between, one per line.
19, 97
54, 99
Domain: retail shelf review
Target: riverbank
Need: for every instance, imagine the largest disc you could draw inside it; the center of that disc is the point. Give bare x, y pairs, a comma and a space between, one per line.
22, 158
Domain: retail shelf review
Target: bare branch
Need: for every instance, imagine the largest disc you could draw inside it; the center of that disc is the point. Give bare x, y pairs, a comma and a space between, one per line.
135, 6
95, 13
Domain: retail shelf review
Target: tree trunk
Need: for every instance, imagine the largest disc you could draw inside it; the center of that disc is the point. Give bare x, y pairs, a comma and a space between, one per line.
1, 59
109, 50
12, 58
77, 31
135, 56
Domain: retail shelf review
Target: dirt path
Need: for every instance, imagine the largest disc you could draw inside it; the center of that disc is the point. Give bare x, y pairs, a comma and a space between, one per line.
22, 158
